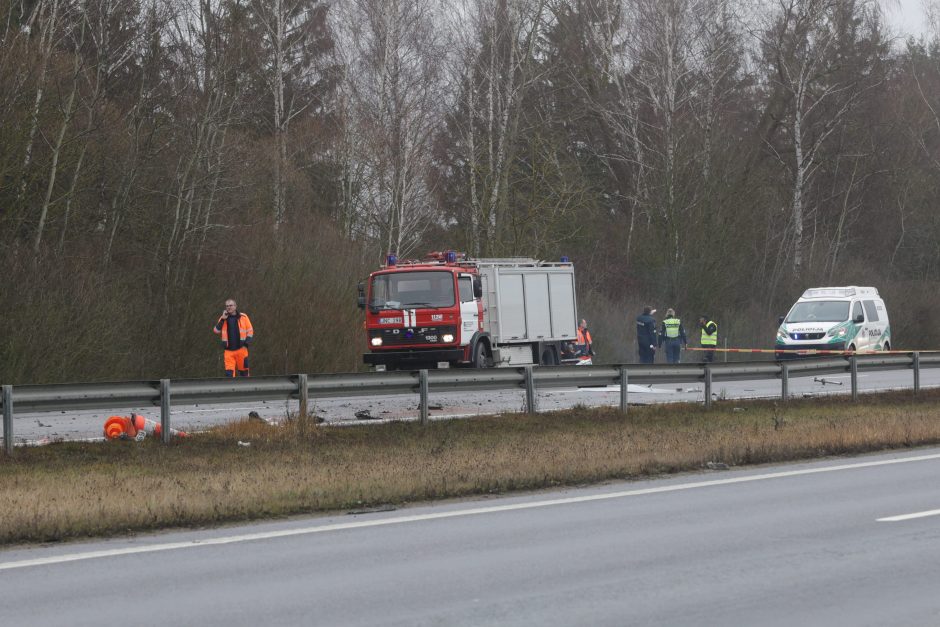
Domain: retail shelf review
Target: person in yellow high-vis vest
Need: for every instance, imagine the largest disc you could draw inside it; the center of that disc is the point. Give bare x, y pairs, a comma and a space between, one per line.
672, 335
709, 339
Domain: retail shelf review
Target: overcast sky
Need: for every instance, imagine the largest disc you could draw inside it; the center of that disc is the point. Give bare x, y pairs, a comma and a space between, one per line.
906, 16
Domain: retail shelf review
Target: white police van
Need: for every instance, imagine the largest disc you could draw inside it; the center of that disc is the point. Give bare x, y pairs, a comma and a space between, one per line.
835, 318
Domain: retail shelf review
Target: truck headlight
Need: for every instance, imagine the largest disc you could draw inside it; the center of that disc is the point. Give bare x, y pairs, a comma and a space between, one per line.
376, 341
781, 335
447, 338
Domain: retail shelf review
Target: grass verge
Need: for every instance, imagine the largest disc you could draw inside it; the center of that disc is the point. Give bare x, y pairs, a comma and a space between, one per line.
72, 490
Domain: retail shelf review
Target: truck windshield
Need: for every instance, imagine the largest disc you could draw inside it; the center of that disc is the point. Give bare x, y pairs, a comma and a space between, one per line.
819, 311
409, 290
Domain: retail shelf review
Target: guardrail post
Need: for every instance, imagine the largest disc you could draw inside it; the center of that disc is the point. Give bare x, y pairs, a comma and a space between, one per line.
708, 387
853, 364
8, 419
916, 373
784, 382
302, 395
530, 390
165, 410
623, 389
423, 389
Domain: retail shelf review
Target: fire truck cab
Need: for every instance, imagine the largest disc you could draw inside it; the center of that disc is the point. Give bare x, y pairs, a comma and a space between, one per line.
448, 310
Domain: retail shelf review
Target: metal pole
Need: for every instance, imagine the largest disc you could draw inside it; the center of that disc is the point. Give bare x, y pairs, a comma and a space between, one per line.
726, 350
423, 388
623, 389
784, 382
708, 386
854, 365
302, 395
529, 390
916, 373
8, 419
165, 410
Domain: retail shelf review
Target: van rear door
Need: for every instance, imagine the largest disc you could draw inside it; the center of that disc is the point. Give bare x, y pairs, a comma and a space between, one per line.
875, 324
861, 334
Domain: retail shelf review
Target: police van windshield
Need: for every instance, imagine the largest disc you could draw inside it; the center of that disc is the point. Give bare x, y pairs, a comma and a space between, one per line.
819, 311
410, 290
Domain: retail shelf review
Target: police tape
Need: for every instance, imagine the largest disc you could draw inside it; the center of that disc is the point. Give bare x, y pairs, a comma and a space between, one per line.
804, 351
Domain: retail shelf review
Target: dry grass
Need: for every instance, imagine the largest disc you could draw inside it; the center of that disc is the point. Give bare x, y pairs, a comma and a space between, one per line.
78, 489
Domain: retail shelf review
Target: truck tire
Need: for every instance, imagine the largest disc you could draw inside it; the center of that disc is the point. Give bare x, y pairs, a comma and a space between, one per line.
479, 356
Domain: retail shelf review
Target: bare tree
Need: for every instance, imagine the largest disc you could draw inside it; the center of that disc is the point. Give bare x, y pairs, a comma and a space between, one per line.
806, 48
293, 38
393, 90
495, 69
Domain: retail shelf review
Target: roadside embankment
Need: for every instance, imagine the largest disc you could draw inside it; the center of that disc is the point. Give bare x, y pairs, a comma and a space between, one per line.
73, 490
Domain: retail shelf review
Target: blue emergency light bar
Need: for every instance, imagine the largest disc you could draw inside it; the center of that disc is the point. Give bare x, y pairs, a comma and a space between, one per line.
391, 260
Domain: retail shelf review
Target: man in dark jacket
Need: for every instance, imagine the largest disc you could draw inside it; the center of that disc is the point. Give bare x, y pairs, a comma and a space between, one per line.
646, 341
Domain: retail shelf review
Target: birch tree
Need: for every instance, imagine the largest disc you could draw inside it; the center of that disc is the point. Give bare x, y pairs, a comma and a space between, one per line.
806, 48
495, 71
293, 38
394, 92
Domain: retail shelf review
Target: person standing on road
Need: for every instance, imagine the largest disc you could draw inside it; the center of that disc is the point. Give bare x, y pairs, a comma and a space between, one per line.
646, 335
673, 336
236, 333
709, 338
584, 345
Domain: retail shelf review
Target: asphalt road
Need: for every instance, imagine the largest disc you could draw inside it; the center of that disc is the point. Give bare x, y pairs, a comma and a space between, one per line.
850, 541
73, 425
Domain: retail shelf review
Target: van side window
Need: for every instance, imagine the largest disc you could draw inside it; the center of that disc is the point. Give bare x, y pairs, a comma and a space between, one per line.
870, 311
856, 309
466, 289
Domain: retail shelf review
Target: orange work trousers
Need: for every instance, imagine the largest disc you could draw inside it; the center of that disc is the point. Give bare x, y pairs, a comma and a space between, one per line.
237, 360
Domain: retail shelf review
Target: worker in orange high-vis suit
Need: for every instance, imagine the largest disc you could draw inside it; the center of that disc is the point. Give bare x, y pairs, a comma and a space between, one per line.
584, 344
236, 333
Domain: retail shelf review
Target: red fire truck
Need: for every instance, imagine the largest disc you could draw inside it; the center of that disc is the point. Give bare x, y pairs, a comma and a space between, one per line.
450, 310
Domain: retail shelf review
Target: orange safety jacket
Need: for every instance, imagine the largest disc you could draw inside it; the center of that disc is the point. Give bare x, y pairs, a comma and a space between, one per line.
584, 340
245, 330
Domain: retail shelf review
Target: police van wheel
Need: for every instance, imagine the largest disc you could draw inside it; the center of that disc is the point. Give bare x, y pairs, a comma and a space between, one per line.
851, 348
887, 346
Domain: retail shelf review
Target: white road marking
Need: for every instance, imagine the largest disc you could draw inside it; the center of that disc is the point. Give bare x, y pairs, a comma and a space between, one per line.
397, 520
933, 512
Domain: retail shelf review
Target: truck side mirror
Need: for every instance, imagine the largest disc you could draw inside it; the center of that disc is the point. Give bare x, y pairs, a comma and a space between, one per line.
477, 287
779, 320
362, 295
859, 319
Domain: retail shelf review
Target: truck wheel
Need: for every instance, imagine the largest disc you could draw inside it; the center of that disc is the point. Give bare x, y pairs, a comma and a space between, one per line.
479, 356
548, 358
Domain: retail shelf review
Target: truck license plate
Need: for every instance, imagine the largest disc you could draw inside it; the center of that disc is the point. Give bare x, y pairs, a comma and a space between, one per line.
389, 320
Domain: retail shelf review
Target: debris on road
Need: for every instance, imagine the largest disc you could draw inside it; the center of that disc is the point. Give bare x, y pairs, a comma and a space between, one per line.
825, 381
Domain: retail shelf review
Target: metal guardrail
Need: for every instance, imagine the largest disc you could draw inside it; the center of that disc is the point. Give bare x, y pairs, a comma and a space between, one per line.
165, 392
